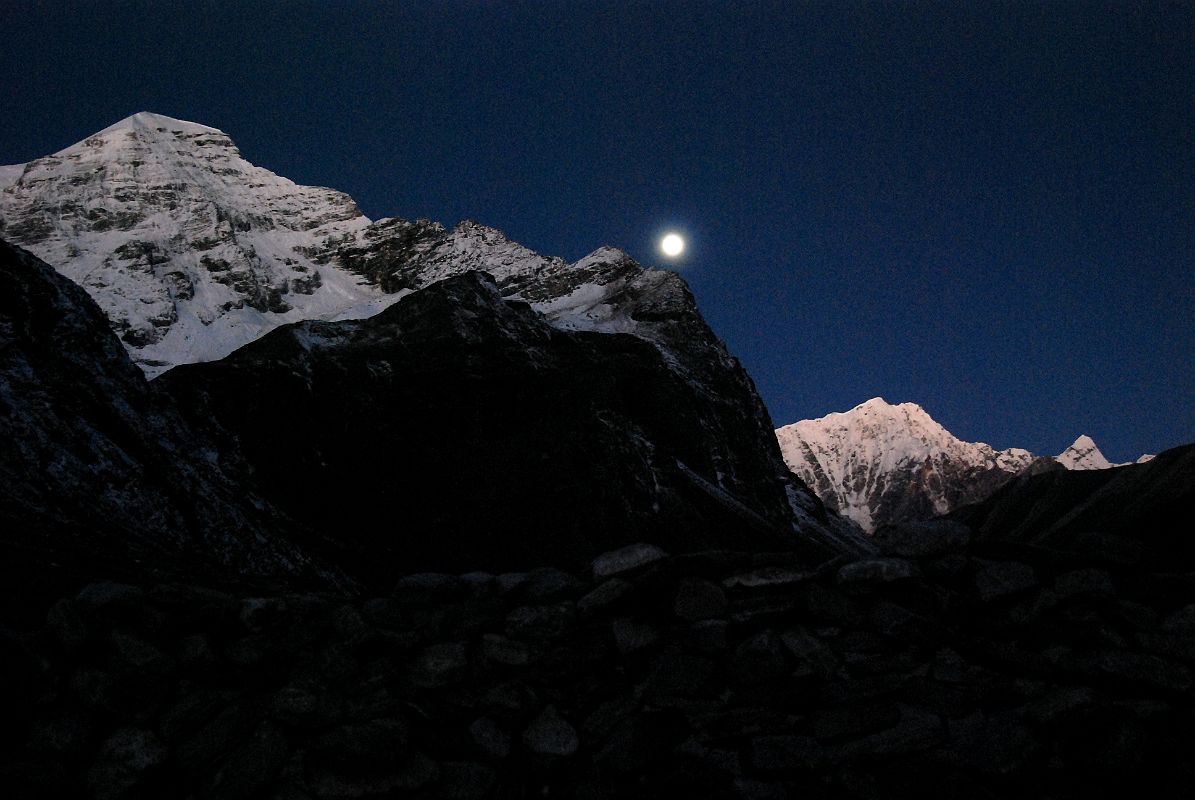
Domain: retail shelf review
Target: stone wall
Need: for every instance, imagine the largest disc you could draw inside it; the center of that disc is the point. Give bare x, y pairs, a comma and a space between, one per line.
945, 672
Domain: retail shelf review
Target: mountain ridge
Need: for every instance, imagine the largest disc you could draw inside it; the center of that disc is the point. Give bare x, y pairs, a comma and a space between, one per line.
192, 251
882, 463
115, 213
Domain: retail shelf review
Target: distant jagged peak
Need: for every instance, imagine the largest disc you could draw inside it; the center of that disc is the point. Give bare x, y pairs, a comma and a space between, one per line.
603, 255
880, 405
469, 234
877, 407
893, 434
494, 251
1084, 454
473, 228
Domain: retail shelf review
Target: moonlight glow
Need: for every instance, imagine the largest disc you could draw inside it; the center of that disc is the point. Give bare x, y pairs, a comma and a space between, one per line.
672, 245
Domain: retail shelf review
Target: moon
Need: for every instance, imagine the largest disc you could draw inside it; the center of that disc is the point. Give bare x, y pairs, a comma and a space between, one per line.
672, 245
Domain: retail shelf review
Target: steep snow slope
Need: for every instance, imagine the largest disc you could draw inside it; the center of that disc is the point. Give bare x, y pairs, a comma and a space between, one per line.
9, 174
881, 463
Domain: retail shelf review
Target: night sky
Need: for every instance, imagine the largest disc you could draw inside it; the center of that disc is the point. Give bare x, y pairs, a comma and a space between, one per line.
988, 211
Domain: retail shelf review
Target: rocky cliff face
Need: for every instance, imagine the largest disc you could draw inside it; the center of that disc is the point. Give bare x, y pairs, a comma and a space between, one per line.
457, 428
879, 463
97, 468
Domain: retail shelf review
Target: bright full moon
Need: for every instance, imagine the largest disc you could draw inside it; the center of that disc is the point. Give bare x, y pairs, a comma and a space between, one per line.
672, 245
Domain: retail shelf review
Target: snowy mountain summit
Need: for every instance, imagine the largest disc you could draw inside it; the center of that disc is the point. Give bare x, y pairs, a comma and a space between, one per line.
192, 252
880, 463
189, 249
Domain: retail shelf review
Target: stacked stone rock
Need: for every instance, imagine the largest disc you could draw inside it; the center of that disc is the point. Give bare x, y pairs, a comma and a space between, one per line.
940, 669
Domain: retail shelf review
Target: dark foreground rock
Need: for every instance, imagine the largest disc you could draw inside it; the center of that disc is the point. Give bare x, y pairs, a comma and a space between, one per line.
644, 675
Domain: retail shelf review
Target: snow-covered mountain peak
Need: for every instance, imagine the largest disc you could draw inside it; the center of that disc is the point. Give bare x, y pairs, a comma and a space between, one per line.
896, 433
1083, 454
149, 122
879, 412
189, 249
153, 140
489, 249
880, 462
878, 405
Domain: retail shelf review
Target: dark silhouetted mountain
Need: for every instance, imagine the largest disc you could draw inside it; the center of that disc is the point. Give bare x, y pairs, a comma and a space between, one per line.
457, 429
1131, 514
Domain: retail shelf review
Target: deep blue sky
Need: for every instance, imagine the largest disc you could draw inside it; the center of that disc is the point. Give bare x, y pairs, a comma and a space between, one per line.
989, 211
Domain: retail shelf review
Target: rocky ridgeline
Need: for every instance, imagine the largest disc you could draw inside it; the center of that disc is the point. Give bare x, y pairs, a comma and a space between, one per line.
937, 669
